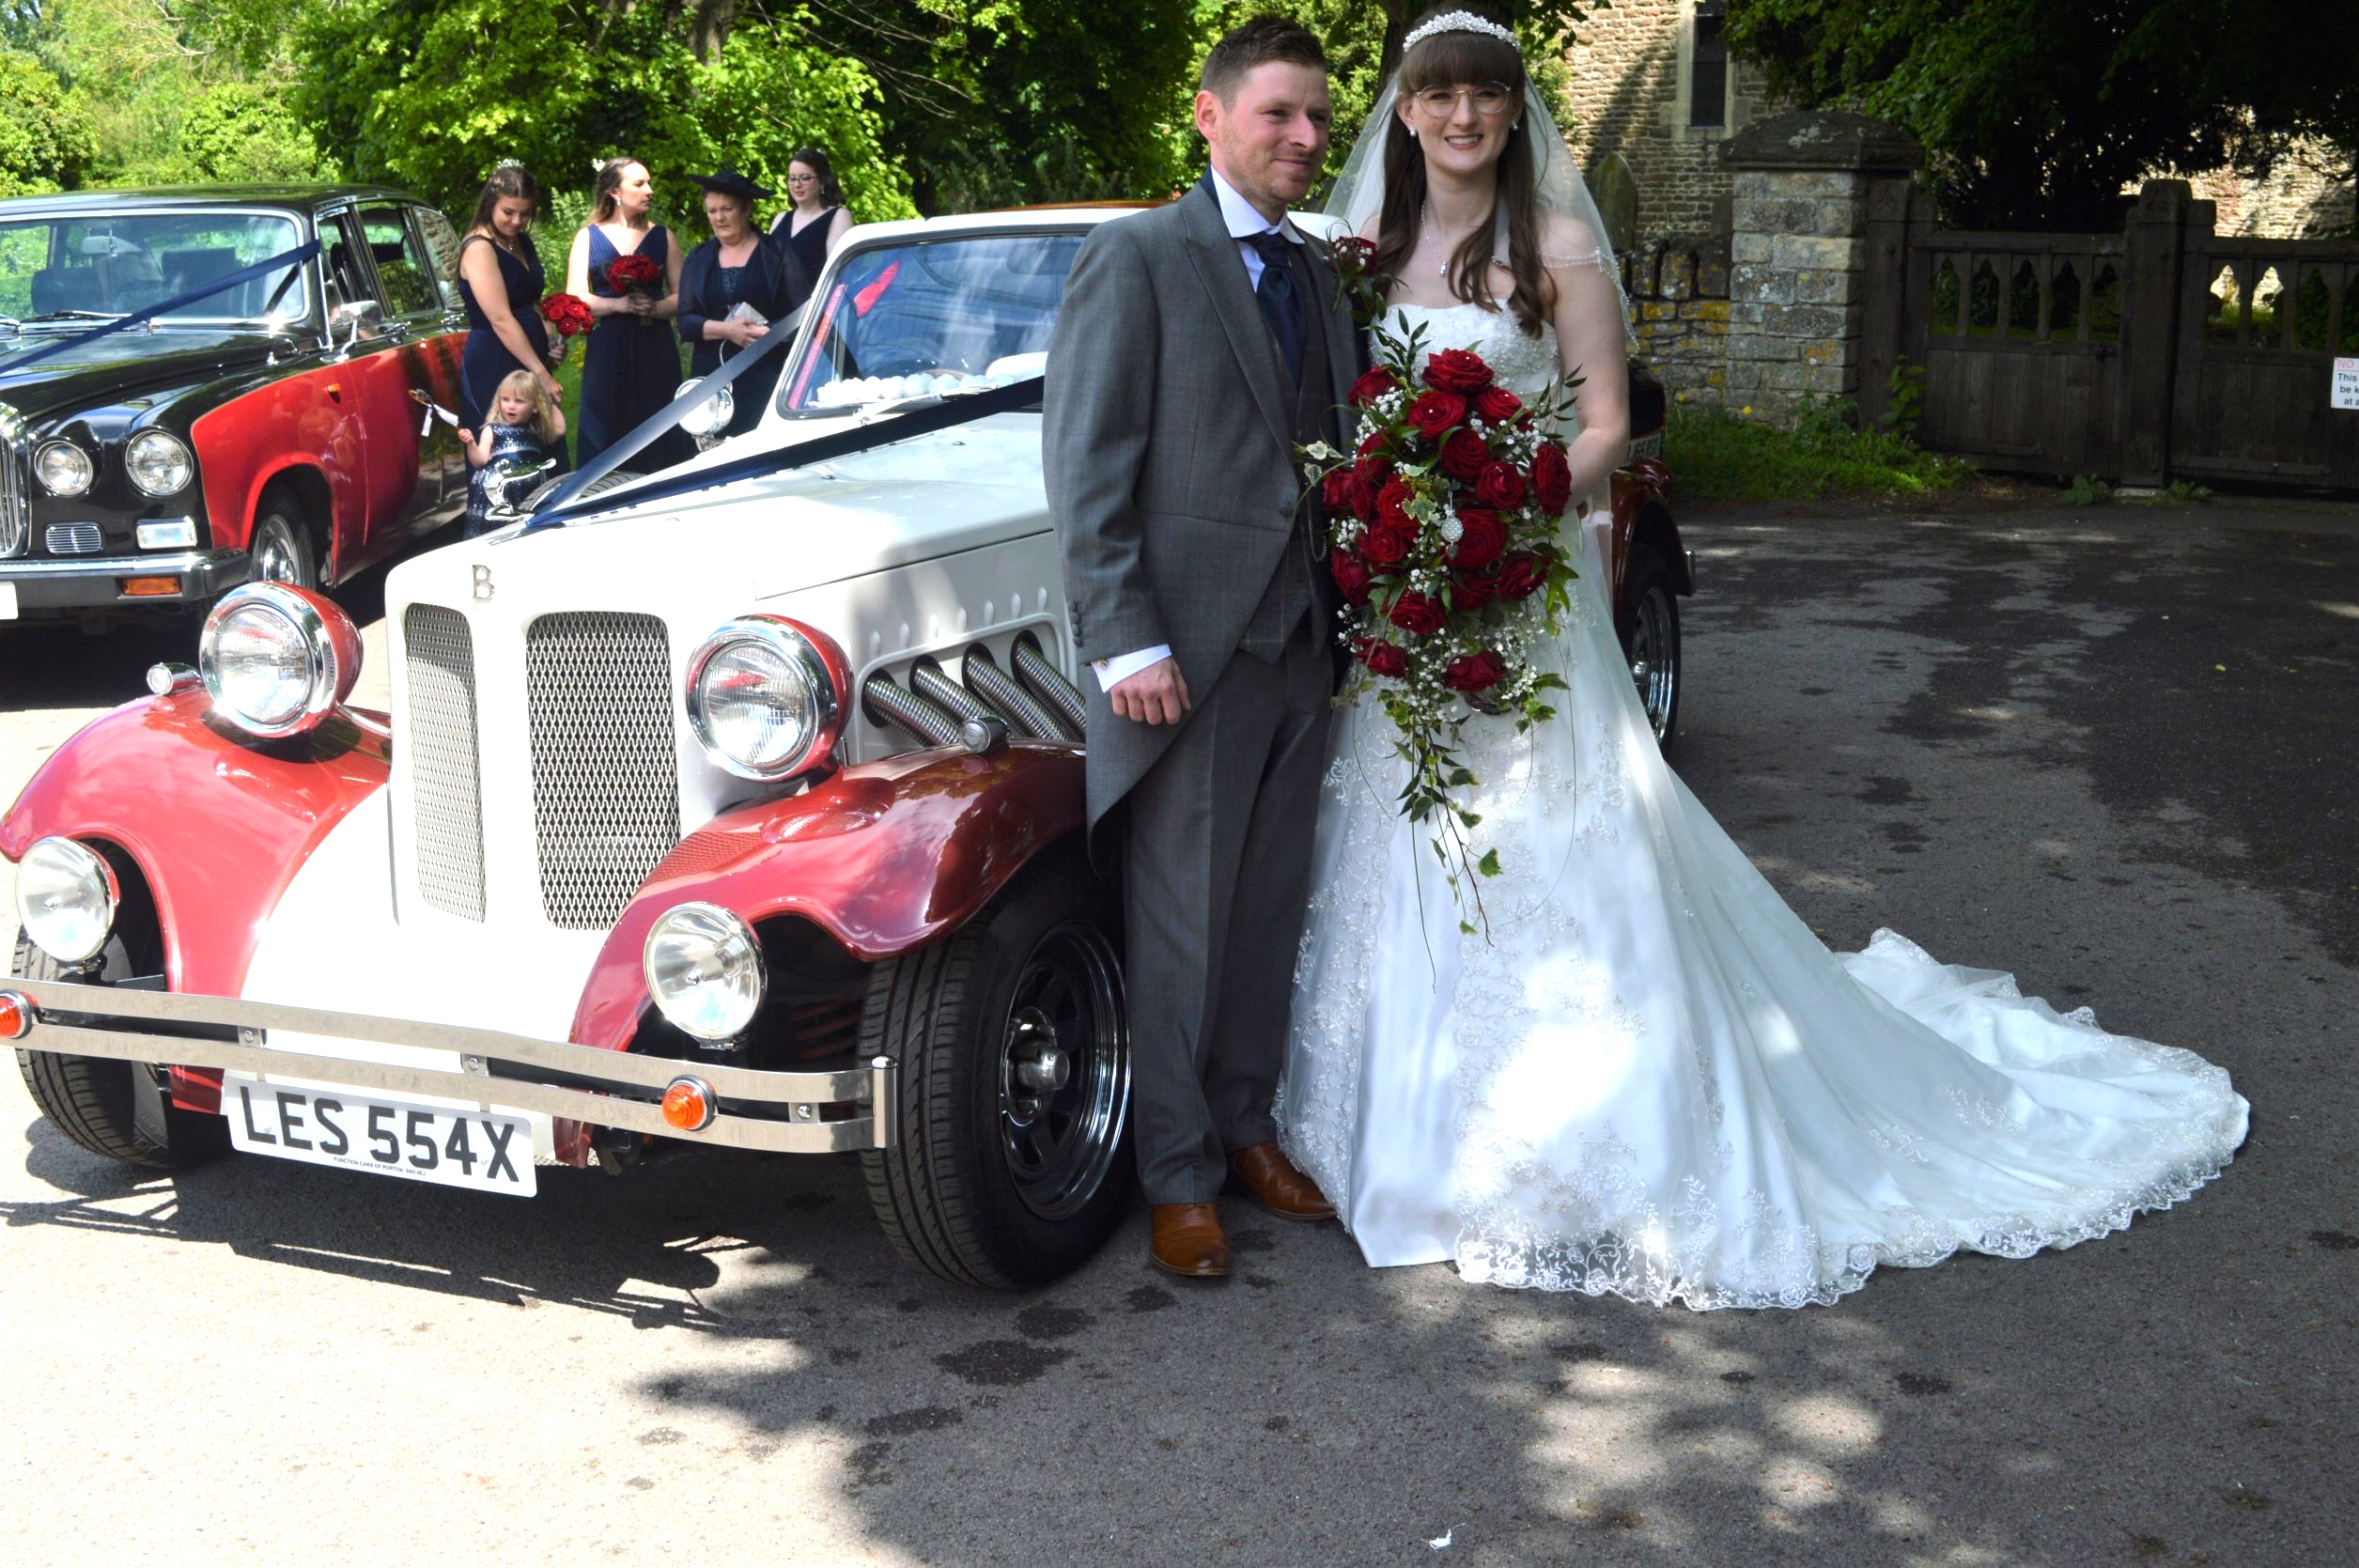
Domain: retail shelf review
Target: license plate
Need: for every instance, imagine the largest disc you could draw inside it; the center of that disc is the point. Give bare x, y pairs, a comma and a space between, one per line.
7, 601
489, 1151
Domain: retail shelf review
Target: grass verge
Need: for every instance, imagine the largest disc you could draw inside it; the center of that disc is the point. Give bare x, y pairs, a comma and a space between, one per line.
1716, 456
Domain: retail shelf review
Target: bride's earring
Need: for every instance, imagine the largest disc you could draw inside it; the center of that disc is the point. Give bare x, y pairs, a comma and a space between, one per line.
1412, 132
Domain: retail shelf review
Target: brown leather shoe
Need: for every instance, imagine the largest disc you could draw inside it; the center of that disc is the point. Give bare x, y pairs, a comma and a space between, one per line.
1188, 1241
1270, 1179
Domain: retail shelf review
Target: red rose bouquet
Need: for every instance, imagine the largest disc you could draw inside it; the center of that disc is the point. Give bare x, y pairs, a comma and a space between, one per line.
567, 313
1443, 542
638, 277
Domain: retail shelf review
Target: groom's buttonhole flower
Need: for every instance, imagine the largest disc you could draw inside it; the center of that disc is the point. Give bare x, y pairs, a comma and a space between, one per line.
1458, 371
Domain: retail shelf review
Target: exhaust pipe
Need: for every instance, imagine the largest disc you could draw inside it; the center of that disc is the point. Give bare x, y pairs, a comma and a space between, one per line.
928, 680
885, 703
986, 680
1044, 681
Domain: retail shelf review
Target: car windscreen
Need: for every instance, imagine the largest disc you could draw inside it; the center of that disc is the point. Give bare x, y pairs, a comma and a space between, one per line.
926, 316
88, 265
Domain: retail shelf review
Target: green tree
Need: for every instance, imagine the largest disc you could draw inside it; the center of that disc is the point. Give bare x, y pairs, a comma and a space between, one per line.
2040, 114
244, 132
47, 141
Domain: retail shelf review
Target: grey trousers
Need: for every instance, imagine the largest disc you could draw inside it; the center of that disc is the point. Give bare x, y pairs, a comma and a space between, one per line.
1217, 873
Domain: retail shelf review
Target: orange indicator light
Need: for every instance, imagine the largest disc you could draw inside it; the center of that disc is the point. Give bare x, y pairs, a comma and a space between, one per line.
688, 1105
150, 587
16, 1015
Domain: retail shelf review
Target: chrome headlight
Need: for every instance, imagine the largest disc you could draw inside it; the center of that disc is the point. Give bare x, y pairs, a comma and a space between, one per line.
275, 659
160, 462
63, 468
704, 970
765, 697
64, 900
711, 417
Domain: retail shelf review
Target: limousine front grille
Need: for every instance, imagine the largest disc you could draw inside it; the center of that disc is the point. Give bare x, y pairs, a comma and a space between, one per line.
16, 483
606, 800
445, 775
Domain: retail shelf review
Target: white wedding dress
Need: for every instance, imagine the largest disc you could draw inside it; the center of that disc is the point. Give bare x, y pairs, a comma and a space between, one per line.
1651, 1080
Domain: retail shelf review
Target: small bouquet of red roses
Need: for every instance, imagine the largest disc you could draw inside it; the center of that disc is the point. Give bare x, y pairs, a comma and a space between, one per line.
1443, 542
637, 276
569, 313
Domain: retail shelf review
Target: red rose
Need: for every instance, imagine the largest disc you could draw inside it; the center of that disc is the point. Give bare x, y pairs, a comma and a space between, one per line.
1353, 254
1475, 672
633, 272
567, 313
1500, 484
1496, 405
1522, 574
1436, 411
1386, 547
1392, 506
1463, 454
1381, 656
1481, 537
1361, 495
1473, 590
1457, 371
1551, 478
1416, 614
1336, 489
1373, 444
1374, 383
1351, 574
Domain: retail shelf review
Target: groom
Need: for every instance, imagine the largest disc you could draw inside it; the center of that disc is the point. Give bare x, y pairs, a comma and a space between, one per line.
1198, 344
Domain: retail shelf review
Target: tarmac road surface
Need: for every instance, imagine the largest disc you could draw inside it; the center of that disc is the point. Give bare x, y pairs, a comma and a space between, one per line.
2108, 749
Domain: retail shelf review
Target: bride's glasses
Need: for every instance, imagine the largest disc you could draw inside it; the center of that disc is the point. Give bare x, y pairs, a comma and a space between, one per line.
1490, 101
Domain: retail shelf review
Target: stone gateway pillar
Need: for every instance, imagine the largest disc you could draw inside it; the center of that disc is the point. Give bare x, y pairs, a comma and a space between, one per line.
1798, 253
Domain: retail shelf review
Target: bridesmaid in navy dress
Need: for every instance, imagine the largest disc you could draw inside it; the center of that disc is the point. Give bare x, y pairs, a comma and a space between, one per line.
738, 266
817, 219
501, 282
632, 364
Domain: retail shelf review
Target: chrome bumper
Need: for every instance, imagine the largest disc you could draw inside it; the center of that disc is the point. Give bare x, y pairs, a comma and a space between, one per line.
93, 582
796, 1113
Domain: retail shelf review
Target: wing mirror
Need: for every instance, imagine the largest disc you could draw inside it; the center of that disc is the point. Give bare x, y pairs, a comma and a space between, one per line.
709, 420
357, 314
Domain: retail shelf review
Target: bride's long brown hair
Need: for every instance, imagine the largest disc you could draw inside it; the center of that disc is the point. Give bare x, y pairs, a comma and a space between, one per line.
1450, 60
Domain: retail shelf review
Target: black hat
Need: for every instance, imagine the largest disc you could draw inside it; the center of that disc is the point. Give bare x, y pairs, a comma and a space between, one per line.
729, 182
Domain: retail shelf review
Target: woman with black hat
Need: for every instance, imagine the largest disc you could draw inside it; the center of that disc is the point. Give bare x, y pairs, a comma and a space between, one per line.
732, 287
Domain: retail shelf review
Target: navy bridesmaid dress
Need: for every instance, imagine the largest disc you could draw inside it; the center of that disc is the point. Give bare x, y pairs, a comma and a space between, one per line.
486, 361
630, 367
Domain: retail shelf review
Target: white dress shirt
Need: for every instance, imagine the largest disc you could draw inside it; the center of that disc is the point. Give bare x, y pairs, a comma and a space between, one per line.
1245, 224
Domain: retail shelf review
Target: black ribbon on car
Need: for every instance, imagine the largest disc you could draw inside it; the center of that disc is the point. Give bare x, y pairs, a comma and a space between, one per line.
295, 257
958, 408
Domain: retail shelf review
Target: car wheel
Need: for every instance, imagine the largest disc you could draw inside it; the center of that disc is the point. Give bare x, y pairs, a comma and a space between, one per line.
1650, 639
116, 1110
282, 549
1011, 1157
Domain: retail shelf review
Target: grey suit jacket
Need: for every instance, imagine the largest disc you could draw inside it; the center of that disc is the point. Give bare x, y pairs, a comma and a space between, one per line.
1168, 453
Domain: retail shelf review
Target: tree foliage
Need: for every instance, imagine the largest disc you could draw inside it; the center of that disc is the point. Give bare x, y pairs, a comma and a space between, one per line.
2040, 114
46, 139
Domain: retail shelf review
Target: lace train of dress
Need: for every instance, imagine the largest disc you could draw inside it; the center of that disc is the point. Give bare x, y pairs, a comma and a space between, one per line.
1652, 1079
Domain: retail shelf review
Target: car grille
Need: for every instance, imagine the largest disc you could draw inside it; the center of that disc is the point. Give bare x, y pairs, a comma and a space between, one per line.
606, 803
445, 783
71, 539
16, 481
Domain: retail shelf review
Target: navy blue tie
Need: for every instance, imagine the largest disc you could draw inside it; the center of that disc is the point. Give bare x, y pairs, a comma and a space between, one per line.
1281, 300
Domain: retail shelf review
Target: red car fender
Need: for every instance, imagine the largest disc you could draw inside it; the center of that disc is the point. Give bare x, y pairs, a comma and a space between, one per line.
217, 827
312, 421
884, 857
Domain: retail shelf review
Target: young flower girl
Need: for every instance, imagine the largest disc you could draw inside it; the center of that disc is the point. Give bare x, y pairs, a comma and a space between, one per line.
526, 427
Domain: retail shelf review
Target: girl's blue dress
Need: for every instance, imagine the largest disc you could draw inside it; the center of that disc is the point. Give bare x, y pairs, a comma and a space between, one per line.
509, 443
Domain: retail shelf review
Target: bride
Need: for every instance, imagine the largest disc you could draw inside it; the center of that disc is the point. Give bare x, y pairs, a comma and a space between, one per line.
1648, 1079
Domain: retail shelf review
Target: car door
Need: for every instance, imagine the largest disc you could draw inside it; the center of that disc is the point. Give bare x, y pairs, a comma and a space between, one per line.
446, 343
413, 308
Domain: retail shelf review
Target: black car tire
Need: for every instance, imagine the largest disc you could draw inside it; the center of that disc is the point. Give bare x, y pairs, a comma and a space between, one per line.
1649, 628
281, 548
992, 1180
93, 1100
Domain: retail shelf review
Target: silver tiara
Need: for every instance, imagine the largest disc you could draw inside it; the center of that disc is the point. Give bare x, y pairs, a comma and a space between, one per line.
1459, 21
507, 163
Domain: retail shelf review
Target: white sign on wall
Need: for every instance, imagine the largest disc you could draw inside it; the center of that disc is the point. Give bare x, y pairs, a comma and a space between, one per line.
2346, 394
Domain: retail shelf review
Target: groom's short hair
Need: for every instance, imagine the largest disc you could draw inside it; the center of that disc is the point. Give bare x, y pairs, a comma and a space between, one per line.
1257, 42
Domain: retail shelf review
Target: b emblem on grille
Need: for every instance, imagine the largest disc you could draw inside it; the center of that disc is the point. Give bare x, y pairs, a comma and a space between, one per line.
483, 582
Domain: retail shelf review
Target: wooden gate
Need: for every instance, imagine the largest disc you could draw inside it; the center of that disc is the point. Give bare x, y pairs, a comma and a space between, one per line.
2124, 356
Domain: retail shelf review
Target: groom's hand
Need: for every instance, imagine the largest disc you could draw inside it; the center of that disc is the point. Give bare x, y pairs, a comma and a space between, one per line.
1155, 696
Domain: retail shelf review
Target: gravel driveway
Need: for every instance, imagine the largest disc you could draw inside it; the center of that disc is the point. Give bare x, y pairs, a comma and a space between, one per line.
2107, 750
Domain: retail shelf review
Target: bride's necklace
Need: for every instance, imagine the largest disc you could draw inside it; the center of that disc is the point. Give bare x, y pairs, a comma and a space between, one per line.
1425, 226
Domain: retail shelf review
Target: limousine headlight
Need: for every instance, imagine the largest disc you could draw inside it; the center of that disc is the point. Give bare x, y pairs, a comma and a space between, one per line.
64, 900
704, 968
276, 658
160, 462
63, 468
765, 697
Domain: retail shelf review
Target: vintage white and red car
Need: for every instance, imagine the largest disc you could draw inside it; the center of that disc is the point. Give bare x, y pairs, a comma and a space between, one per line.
739, 805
